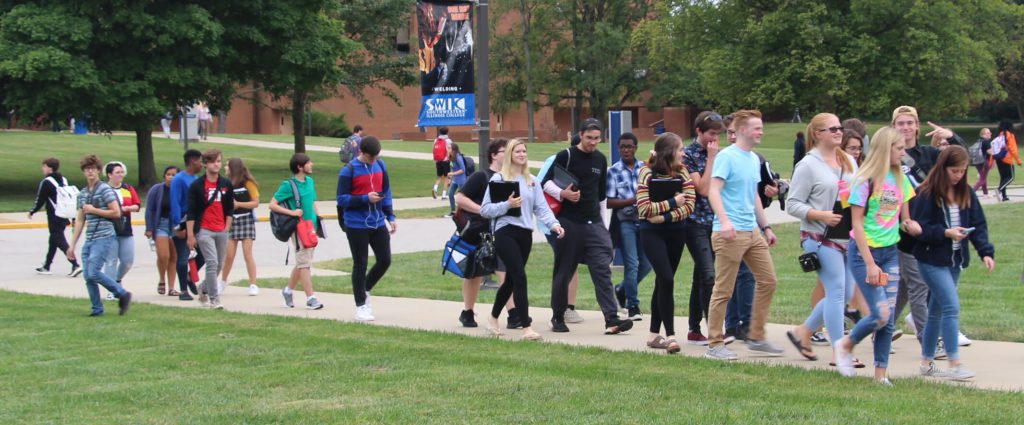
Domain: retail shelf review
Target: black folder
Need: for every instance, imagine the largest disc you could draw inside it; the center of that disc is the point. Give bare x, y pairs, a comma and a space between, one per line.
663, 189
845, 226
501, 190
563, 178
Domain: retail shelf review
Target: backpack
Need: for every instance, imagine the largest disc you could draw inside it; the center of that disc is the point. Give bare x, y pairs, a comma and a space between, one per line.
976, 153
66, 205
349, 149
999, 147
470, 164
440, 149
341, 209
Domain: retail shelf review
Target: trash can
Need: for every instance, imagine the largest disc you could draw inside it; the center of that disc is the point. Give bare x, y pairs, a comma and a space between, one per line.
81, 127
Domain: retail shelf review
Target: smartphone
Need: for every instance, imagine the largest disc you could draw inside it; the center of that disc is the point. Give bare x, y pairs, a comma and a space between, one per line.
967, 231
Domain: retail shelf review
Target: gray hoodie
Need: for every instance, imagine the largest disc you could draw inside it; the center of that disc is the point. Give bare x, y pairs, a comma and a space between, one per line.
815, 186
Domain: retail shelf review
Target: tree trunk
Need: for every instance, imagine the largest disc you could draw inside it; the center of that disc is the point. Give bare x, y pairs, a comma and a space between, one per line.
299, 121
147, 168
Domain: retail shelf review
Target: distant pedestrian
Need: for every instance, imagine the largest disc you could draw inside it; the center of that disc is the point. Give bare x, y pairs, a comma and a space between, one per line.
442, 166
211, 208
165, 123
799, 148
243, 227
284, 202
457, 175
97, 210
364, 191
350, 147
46, 197
160, 231
205, 119
1006, 158
985, 143
122, 257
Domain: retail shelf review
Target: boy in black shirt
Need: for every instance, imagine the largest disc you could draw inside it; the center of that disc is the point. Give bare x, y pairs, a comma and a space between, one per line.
46, 196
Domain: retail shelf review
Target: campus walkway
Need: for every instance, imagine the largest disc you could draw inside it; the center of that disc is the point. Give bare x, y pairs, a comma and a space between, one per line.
997, 364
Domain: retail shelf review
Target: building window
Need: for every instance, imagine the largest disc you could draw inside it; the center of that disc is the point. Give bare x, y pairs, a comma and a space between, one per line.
402, 40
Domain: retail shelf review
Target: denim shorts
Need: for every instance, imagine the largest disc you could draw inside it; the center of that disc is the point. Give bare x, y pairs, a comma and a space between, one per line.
163, 228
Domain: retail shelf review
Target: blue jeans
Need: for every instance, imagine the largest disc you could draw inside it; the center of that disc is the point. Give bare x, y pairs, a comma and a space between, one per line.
737, 312
94, 256
121, 258
881, 300
838, 283
635, 264
451, 195
943, 310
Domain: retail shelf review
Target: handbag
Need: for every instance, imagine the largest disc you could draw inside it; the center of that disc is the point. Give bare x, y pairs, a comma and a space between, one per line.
457, 256
306, 231
485, 258
281, 225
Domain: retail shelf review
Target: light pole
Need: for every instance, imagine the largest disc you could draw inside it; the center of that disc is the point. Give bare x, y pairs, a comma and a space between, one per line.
483, 106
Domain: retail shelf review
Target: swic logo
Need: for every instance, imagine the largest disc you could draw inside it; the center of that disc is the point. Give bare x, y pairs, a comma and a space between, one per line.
449, 107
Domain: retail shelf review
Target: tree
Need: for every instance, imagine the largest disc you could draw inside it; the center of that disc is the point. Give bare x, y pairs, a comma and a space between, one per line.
583, 55
121, 64
307, 50
851, 57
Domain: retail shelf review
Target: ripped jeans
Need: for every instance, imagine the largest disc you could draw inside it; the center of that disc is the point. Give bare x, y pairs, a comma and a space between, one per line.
881, 300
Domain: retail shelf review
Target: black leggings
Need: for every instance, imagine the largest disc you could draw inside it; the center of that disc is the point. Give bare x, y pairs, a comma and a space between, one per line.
57, 240
513, 244
664, 249
1006, 174
359, 240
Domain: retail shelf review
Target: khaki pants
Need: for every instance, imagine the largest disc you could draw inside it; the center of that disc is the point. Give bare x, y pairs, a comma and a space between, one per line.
753, 249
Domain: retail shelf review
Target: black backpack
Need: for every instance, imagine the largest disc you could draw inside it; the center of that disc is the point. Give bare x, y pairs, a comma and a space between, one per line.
470, 164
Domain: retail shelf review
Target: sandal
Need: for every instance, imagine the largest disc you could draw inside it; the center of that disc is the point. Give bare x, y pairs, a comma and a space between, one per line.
857, 364
173, 292
531, 336
658, 342
800, 347
161, 288
672, 346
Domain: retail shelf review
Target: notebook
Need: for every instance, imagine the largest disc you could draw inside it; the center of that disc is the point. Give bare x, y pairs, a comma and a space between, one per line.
662, 189
500, 191
563, 178
845, 226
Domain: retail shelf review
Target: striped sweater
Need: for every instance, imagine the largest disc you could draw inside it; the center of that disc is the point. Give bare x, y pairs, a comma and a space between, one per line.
673, 212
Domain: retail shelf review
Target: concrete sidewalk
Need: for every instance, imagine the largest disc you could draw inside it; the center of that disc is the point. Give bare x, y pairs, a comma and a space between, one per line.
996, 363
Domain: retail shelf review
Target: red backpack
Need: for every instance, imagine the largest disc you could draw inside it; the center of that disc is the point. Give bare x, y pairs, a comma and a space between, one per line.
440, 149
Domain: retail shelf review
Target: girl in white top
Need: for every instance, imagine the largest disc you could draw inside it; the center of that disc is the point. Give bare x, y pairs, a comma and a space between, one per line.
513, 236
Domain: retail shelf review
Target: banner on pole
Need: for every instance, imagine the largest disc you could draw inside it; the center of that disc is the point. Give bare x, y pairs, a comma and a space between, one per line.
446, 63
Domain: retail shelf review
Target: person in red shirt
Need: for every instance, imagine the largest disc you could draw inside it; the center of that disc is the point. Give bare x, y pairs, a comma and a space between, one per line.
211, 202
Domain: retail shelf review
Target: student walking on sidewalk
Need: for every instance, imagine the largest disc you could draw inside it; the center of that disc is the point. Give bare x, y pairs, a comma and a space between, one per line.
243, 226
179, 207
97, 208
949, 214
878, 203
46, 197
364, 192
122, 257
160, 231
304, 208
211, 207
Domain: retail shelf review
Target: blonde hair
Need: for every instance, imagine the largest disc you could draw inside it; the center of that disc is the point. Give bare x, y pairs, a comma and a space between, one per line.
814, 127
509, 170
879, 160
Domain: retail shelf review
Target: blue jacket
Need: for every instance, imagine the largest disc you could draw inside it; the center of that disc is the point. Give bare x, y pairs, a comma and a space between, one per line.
355, 182
153, 200
933, 247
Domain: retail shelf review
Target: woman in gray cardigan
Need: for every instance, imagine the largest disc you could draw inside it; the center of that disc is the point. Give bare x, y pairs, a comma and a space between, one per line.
819, 181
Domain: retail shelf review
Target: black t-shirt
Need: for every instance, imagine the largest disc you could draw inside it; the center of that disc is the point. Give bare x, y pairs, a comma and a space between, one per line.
591, 169
476, 185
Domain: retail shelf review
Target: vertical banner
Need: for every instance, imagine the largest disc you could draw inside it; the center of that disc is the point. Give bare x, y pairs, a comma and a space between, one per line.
446, 63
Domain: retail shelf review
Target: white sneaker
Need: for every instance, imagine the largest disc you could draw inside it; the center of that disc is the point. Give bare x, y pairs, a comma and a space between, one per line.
367, 302
110, 296
909, 320
364, 313
572, 316
254, 290
220, 286
963, 340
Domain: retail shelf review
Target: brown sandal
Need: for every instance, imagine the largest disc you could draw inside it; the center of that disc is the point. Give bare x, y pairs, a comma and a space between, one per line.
672, 346
161, 288
173, 292
658, 342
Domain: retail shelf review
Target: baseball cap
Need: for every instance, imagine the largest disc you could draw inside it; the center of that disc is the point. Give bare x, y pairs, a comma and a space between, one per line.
904, 110
591, 124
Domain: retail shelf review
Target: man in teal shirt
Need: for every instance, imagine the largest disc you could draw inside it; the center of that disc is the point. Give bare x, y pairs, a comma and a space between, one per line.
283, 202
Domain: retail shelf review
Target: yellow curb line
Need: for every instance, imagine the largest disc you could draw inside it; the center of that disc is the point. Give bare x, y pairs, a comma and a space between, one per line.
12, 226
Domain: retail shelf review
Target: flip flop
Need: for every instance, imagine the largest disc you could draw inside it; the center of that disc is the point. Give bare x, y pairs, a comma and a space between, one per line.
800, 347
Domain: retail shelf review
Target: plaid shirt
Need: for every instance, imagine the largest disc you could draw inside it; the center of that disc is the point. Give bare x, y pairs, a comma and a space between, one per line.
696, 160
622, 181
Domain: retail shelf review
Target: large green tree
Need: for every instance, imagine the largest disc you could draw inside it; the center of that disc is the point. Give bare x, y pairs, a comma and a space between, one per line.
849, 56
309, 50
581, 52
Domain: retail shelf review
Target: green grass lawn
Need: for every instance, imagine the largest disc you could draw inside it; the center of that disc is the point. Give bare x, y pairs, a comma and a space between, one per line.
992, 307
166, 365
26, 150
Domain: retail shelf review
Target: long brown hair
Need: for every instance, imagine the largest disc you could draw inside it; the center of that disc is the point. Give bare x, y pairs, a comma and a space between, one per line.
238, 173
662, 160
937, 183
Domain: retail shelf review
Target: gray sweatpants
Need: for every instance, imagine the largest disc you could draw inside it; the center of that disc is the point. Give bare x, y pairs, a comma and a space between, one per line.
914, 290
213, 245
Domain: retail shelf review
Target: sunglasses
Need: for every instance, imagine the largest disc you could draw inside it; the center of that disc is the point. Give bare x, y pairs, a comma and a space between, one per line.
713, 117
832, 129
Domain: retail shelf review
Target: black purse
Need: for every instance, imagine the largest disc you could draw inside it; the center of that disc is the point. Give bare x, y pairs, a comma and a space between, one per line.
809, 262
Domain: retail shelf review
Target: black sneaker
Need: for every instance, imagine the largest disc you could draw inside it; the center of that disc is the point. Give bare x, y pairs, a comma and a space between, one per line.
192, 288
124, 303
742, 333
185, 296
513, 320
617, 325
43, 270
558, 325
620, 296
634, 314
467, 319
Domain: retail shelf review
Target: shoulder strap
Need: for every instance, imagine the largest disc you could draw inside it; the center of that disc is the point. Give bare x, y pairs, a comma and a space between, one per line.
54, 181
295, 193
568, 152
